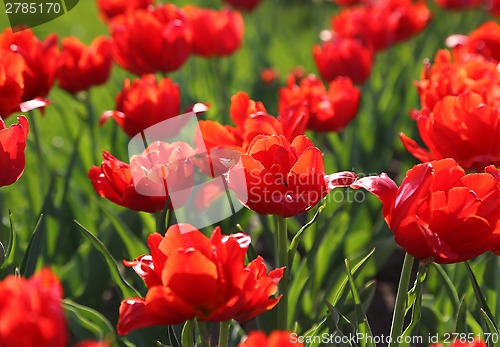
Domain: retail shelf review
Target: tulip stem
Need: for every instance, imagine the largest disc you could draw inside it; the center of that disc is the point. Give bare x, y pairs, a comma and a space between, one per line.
400, 307
224, 333
282, 245
42, 169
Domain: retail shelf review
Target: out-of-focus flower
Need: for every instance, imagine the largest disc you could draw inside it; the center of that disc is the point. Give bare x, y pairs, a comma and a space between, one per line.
276, 339
31, 313
82, 67
143, 103
447, 77
458, 4
245, 5
149, 180
251, 119
492, 6
382, 23
475, 343
483, 42
11, 82
282, 178
90, 343
189, 275
12, 145
343, 57
150, 41
347, 2
329, 110
113, 8
40, 59
268, 75
439, 212
215, 33
463, 127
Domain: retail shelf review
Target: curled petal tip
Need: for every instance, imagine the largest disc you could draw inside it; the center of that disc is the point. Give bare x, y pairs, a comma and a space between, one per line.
340, 179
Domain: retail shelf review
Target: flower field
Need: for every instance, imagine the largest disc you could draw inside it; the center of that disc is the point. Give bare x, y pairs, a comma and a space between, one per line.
251, 173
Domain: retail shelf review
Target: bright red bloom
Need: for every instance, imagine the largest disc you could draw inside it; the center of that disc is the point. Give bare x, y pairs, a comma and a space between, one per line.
144, 103
31, 313
11, 83
382, 23
439, 212
493, 6
483, 42
329, 110
90, 343
82, 67
12, 145
458, 4
447, 77
40, 60
145, 184
463, 128
268, 75
215, 33
476, 343
157, 40
245, 5
113, 8
189, 275
275, 339
343, 57
283, 178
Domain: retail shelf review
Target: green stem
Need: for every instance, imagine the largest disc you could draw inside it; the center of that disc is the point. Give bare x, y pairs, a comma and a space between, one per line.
42, 168
400, 307
224, 333
282, 242
203, 333
91, 123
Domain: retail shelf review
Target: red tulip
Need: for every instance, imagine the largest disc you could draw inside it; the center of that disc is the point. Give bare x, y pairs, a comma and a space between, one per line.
463, 128
89, 343
476, 343
439, 212
157, 40
11, 83
149, 180
144, 103
446, 77
12, 145
283, 178
40, 60
343, 57
329, 110
492, 6
189, 275
269, 75
215, 33
31, 313
82, 67
112, 8
458, 4
275, 339
245, 5
484, 42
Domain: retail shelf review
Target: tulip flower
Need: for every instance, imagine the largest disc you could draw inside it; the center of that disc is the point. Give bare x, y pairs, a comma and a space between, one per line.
11, 83
458, 4
462, 127
277, 338
148, 181
150, 41
458, 343
283, 178
447, 77
40, 59
12, 145
215, 33
143, 103
90, 343
82, 67
112, 8
328, 111
439, 212
343, 57
484, 42
189, 275
245, 5
31, 313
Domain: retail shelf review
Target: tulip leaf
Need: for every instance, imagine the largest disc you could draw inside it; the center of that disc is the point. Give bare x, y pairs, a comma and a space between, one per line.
90, 319
461, 323
448, 286
187, 334
159, 344
2, 254
126, 289
30, 259
6, 252
481, 301
341, 323
362, 320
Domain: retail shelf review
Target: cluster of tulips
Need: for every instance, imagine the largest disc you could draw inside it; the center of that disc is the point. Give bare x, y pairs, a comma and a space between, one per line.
446, 210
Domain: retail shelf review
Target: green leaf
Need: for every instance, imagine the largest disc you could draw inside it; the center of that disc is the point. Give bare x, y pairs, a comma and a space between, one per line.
126, 289
30, 259
481, 301
187, 334
90, 320
461, 322
361, 319
341, 324
448, 285
7, 252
